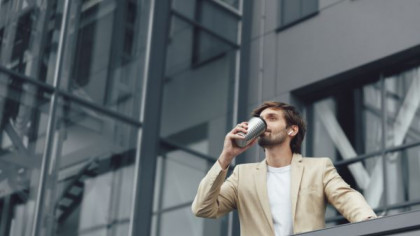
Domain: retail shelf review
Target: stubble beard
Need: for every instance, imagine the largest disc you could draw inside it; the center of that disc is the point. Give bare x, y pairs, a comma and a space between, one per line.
266, 141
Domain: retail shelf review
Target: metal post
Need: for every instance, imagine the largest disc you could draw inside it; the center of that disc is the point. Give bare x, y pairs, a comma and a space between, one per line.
46, 157
383, 143
241, 87
148, 136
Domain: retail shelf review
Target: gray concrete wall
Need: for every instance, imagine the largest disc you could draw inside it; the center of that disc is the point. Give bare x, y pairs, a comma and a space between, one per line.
346, 34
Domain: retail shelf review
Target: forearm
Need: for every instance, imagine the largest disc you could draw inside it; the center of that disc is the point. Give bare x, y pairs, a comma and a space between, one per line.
207, 203
352, 205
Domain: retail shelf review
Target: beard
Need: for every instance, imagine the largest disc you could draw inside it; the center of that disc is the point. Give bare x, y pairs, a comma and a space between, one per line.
267, 141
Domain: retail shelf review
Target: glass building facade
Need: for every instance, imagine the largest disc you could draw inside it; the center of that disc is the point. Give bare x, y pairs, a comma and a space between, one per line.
79, 81
111, 112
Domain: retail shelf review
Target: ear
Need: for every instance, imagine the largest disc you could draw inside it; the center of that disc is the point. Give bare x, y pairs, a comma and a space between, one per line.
294, 129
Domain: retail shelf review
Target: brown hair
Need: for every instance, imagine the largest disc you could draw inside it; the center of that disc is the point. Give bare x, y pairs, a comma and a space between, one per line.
292, 117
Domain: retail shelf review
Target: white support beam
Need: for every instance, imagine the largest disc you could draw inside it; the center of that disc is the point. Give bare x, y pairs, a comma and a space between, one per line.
342, 144
373, 186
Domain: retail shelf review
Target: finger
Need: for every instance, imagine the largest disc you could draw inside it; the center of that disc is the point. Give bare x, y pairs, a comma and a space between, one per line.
243, 125
235, 136
239, 129
252, 143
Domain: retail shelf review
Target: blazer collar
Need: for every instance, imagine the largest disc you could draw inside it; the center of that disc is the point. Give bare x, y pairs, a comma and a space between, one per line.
295, 178
261, 188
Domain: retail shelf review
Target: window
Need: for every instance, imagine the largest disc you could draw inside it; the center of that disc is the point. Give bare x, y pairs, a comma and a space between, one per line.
294, 11
219, 35
365, 127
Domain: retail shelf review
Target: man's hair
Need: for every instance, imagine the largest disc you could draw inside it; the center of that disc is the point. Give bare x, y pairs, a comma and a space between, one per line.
292, 117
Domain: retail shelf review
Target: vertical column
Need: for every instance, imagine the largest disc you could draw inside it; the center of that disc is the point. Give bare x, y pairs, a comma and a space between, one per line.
148, 141
241, 89
47, 158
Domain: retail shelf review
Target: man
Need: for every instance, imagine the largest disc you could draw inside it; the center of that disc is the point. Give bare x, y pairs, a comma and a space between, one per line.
283, 194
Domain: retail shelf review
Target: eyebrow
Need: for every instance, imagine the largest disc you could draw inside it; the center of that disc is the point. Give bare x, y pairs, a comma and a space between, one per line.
271, 115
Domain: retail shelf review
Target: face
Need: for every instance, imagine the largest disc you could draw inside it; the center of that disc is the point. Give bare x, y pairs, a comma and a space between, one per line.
276, 132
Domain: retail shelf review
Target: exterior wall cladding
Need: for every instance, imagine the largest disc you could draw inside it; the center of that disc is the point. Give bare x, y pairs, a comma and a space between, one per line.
343, 36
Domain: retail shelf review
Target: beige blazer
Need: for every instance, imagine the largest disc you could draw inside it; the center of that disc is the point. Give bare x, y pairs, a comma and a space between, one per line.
313, 182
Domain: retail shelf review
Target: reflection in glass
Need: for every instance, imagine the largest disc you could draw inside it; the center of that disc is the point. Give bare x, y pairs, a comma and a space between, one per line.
177, 177
349, 123
104, 53
23, 117
92, 185
29, 33
402, 104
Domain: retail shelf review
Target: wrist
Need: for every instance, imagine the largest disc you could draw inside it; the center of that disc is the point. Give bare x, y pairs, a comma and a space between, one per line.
224, 160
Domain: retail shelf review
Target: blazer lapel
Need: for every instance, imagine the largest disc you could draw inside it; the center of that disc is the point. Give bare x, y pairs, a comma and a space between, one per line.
296, 177
261, 187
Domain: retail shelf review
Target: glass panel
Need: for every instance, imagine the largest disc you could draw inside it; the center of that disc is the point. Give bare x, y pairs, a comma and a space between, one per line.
207, 47
371, 123
218, 20
402, 104
24, 110
233, 3
403, 172
309, 7
182, 175
291, 11
349, 123
92, 184
178, 175
410, 175
29, 34
186, 7
179, 51
199, 114
104, 53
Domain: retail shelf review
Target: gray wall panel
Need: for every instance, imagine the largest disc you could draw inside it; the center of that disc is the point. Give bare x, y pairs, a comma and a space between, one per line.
343, 36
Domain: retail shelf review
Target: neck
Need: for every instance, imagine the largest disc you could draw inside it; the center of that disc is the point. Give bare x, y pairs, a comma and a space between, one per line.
279, 155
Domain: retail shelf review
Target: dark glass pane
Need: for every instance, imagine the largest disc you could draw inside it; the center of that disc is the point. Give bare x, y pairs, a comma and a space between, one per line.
291, 11
208, 47
93, 180
402, 103
24, 110
186, 7
29, 38
218, 20
105, 52
309, 7
233, 3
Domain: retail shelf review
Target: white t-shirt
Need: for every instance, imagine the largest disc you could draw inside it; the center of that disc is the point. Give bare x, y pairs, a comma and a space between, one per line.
278, 189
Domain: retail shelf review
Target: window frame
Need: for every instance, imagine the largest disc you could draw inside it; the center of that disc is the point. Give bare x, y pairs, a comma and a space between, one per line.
283, 26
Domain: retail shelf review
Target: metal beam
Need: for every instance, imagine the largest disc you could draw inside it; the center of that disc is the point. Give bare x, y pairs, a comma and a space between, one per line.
148, 136
341, 142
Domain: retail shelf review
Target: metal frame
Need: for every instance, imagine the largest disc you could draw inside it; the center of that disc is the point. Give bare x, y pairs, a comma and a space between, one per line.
297, 21
148, 136
389, 225
67, 95
47, 158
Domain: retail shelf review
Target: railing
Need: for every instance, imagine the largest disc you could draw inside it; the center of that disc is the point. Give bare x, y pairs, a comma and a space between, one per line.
402, 224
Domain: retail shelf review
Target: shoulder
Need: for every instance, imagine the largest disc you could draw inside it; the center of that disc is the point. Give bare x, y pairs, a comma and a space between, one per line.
322, 161
247, 167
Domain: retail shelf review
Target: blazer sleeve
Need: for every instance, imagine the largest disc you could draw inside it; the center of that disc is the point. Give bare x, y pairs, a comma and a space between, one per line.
215, 196
349, 202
